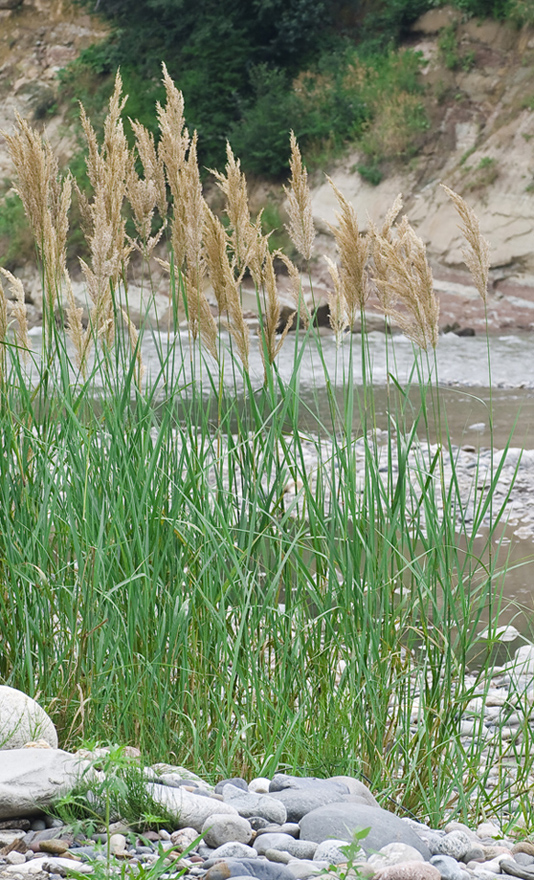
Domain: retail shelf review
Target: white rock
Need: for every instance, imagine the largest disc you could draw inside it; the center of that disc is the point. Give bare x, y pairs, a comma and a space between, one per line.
184, 837
331, 851
188, 810
393, 854
117, 843
302, 868
221, 829
23, 721
10, 835
15, 858
259, 785
31, 779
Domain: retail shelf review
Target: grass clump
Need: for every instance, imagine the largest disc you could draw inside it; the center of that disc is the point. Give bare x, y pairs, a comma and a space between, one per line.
195, 561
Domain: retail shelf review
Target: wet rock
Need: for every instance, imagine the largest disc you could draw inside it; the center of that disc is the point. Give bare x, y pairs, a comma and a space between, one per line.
22, 721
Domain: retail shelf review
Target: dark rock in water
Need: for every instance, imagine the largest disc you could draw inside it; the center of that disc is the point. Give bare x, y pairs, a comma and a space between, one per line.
466, 331
321, 316
259, 868
342, 819
236, 780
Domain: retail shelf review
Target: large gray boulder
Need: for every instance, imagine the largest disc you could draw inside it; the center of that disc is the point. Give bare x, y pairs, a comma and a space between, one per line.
30, 779
188, 809
342, 819
22, 720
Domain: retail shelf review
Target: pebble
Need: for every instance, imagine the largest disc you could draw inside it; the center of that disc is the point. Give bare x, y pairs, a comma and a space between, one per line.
218, 830
266, 846
449, 868
331, 851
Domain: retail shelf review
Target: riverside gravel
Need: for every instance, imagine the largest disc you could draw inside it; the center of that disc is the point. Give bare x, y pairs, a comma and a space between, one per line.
232, 845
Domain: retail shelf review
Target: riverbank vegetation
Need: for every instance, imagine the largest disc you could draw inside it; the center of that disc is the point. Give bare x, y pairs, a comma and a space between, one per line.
184, 566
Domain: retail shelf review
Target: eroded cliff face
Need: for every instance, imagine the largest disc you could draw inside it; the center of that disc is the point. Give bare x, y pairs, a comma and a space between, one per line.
480, 143
37, 39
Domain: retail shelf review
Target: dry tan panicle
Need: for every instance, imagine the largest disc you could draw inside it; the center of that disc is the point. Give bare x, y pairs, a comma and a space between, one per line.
46, 199
402, 275
301, 229
152, 163
296, 289
200, 318
174, 136
353, 251
336, 301
233, 184
108, 169
224, 283
391, 216
18, 310
172, 150
476, 254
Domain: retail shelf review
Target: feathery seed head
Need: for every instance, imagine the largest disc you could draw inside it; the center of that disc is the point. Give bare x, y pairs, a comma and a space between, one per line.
353, 250
476, 254
301, 229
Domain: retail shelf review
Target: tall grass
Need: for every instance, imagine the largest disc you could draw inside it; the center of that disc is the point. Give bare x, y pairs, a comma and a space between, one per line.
182, 566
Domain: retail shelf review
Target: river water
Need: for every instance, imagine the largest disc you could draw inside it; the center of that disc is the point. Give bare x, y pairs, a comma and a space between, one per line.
461, 366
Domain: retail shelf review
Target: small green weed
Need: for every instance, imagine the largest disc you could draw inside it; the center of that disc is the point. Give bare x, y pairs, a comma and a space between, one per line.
353, 852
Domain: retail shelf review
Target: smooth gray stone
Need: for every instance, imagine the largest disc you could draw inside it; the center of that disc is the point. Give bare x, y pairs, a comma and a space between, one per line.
248, 804
523, 859
234, 850
448, 868
187, 809
298, 802
300, 849
283, 781
356, 787
342, 819
292, 828
219, 830
30, 779
236, 780
279, 856
510, 866
260, 868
